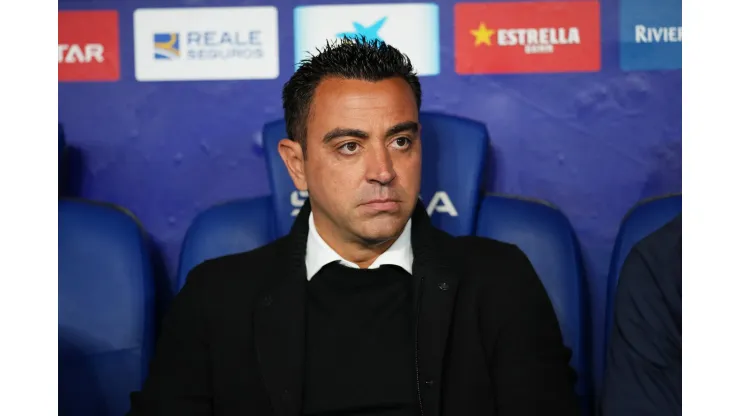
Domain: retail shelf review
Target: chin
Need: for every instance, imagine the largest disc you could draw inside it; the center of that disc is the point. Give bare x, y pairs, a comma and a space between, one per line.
382, 229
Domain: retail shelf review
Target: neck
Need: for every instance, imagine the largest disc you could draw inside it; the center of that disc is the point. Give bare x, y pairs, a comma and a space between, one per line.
362, 253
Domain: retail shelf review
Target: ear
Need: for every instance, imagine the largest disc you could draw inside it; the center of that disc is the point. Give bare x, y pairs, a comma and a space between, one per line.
292, 154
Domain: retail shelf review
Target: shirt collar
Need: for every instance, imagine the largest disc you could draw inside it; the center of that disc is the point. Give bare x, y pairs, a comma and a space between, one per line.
319, 254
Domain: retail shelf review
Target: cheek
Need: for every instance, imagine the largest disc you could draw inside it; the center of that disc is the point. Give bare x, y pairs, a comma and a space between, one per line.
409, 169
337, 182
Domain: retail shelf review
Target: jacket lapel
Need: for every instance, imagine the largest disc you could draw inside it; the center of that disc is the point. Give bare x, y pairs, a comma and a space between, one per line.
279, 322
437, 281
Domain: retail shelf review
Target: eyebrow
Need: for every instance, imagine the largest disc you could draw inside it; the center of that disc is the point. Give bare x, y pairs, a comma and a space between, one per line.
410, 126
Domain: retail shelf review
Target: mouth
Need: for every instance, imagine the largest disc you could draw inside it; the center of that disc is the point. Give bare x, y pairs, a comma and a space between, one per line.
382, 204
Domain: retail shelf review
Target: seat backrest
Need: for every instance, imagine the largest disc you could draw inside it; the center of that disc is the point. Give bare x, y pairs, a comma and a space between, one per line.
224, 229
454, 152
106, 308
644, 218
545, 235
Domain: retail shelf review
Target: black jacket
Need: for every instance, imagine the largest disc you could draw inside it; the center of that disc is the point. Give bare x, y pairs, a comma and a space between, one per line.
488, 341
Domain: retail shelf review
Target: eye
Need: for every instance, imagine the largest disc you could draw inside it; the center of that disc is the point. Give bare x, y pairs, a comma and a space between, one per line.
402, 142
349, 148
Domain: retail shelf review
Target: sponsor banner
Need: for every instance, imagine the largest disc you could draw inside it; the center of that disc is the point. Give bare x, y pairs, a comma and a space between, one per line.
650, 35
206, 43
500, 38
89, 46
412, 28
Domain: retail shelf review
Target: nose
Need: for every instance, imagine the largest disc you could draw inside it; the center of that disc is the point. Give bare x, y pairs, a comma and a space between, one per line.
380, 166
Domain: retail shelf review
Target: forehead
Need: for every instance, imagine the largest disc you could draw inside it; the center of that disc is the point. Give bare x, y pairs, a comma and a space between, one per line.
361, 104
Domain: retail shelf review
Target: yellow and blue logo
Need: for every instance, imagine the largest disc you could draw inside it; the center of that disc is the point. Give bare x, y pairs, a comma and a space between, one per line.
167, 46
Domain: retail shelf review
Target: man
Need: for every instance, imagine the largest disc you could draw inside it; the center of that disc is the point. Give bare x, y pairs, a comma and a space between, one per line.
365, 307
643, 375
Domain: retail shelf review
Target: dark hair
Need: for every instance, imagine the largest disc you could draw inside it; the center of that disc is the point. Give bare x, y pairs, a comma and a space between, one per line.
348, 58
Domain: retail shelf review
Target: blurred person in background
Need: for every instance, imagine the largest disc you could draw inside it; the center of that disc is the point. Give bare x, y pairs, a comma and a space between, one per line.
643, 374
364, 307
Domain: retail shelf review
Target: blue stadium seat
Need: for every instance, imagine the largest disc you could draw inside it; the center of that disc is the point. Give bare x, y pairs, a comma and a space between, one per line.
545, 235
644, 218
229, 228
106, 308
454, 153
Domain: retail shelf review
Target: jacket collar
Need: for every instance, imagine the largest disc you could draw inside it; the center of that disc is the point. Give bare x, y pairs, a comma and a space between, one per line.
279, 318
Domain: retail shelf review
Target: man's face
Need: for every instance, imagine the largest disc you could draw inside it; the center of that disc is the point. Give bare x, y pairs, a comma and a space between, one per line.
363, 164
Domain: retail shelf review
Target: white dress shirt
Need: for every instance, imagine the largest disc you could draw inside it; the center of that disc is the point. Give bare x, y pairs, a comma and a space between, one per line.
319, 254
